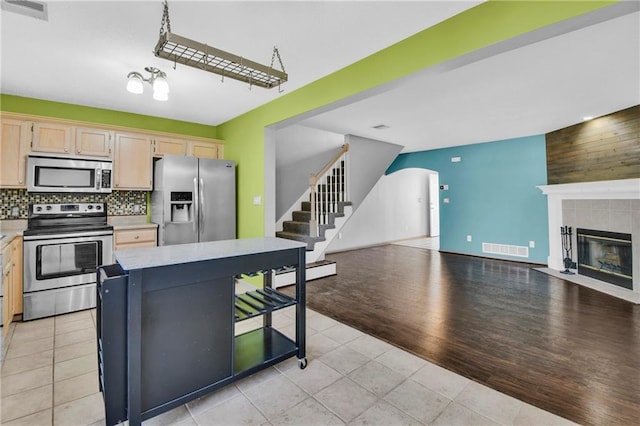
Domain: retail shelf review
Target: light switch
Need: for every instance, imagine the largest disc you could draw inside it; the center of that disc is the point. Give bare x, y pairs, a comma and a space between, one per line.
257, 200
446, 201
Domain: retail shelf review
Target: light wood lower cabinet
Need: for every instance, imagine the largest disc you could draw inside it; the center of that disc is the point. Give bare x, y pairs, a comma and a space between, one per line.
135, 238
11, 282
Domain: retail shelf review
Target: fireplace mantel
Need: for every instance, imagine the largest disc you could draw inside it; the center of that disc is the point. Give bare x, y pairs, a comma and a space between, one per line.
601, 190
624, 189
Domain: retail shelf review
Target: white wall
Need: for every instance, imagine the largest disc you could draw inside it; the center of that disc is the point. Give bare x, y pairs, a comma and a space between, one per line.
299, 152
395, 209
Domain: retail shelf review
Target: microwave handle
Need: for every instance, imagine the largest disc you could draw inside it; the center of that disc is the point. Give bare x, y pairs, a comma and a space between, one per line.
98, 178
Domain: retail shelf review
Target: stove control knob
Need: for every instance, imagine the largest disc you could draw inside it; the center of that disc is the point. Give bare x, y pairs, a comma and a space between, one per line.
98, 207
38, 209
49, 207
90, 206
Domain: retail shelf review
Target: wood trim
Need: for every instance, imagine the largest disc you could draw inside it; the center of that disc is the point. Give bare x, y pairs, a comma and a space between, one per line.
605, 148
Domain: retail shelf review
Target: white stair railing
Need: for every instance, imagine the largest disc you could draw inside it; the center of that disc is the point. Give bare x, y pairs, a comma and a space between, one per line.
328, 188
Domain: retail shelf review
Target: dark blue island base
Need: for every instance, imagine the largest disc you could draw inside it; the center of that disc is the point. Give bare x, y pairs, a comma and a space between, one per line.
166, 316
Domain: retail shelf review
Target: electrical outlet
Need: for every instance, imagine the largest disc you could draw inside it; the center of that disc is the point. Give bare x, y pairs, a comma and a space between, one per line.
257, 200
532, 244
15, 211
136, 208
339, 235
469, 238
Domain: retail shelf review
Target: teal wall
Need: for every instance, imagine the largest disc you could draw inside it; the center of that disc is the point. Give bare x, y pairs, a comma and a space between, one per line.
492, 192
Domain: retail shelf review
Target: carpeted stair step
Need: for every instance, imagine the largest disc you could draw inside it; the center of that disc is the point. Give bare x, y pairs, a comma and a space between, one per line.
302, 216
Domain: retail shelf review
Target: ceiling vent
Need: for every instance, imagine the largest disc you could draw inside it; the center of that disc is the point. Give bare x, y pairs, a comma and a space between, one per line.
34, 9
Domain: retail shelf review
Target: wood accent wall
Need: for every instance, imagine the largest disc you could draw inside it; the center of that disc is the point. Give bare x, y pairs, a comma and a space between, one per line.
605, 148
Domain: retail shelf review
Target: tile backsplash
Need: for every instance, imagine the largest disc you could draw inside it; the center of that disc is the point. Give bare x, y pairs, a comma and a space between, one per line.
119, 203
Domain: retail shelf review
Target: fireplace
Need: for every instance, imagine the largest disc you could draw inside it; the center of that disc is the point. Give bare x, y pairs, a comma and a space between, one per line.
613, 205
605, 256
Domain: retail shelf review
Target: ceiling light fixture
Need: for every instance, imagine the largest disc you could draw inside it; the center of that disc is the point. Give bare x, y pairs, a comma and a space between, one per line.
158, 80
181, 50
587, 118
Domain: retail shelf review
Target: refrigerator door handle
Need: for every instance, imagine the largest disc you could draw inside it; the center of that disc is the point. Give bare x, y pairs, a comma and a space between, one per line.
202, 212
196, 215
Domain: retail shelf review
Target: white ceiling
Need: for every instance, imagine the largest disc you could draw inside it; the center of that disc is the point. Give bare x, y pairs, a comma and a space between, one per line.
84, 51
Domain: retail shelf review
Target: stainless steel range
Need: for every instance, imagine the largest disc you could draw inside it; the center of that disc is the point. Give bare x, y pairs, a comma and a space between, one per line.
63, 246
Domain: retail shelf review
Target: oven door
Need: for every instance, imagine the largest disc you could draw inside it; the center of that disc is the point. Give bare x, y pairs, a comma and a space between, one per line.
64, 260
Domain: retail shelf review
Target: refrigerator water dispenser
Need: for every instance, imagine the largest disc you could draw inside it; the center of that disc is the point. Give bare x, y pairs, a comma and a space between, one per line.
181, 207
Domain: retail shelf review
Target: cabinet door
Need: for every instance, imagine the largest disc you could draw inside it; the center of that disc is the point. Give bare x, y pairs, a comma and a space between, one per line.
7, 281
132, 162
162, 146
16, 291
93, 142
52, 137
14, 146
203, 149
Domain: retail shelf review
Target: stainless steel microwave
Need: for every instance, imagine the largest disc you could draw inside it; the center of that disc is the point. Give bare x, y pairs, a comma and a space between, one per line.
66, 174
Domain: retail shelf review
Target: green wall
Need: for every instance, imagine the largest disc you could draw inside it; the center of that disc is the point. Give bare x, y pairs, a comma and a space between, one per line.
481, 26
18, 104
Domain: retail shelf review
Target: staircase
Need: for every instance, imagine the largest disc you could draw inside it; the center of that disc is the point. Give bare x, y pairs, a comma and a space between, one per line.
319, 219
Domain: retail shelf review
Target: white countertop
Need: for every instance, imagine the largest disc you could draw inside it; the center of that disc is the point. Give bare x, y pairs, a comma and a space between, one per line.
149, 257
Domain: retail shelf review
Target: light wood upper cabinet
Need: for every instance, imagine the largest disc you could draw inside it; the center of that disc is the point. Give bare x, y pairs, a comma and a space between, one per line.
52, 137
132, 162
14, 146
202, 149
164, 145
93, 142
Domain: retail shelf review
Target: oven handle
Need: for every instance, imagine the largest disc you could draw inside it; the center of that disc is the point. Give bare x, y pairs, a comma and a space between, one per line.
69, 235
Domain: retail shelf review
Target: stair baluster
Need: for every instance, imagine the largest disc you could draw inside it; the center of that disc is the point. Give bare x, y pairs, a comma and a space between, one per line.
327, 188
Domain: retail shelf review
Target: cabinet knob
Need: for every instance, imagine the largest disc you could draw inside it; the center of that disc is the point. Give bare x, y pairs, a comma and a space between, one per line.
136, 237
66, 150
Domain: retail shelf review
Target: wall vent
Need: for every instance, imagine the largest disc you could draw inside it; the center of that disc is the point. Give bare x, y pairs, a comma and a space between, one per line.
505, 249
34, 9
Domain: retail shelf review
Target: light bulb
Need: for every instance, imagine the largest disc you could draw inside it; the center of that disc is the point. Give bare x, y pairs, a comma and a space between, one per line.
160, 96
134, 85
160, 84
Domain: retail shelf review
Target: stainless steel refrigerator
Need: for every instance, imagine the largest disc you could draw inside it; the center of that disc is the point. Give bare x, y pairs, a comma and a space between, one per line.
193, 199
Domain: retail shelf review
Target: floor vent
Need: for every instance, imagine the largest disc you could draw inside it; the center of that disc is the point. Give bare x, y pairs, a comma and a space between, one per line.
505, 250
34, 9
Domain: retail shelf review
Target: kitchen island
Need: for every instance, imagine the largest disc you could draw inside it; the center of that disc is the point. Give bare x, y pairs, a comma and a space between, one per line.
166, 315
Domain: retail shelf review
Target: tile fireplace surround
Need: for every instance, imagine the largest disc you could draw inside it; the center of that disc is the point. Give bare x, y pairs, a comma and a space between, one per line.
612, 205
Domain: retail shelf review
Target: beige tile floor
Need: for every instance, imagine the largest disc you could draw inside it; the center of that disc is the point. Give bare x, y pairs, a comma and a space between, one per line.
49, 377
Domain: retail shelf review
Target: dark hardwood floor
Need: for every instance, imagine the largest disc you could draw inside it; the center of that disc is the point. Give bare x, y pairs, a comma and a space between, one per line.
564, 348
